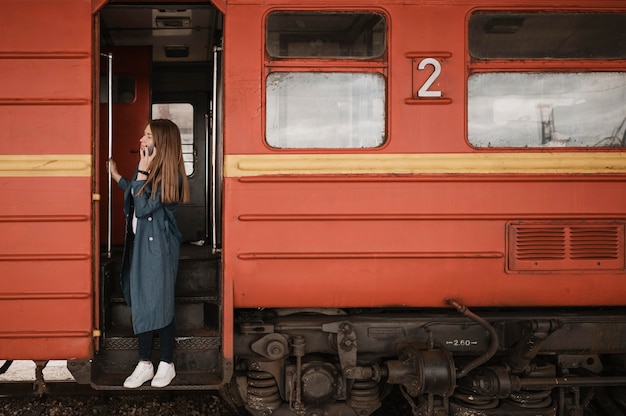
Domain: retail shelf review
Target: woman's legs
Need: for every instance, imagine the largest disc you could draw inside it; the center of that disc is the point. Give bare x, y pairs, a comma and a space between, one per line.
145, 346
168, 341
166, 372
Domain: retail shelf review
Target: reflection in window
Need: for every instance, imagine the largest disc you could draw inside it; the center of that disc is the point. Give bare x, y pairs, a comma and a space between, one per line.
547, 35
547, 109
317, 34
325, 110
182, 115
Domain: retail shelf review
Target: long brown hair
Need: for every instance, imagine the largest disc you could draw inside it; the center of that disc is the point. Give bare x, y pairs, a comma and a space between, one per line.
167, 170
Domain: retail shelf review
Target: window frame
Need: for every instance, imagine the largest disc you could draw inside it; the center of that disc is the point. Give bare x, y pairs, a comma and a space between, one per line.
379, 65
535, 65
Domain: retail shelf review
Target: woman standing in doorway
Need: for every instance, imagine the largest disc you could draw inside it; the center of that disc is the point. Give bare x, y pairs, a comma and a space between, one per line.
152, 246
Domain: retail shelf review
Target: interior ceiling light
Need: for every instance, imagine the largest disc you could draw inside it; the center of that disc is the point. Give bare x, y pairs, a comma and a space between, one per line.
170, 22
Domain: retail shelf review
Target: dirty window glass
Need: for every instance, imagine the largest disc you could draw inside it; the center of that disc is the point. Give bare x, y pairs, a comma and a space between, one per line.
182, 115
323, 34
547, 109
547, 35
325, 110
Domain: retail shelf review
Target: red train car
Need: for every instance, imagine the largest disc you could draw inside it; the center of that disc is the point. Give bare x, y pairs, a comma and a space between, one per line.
423, 194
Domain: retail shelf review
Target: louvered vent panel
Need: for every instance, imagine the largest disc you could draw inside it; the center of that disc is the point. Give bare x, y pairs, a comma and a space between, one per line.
595, 243
540, 243
554, 246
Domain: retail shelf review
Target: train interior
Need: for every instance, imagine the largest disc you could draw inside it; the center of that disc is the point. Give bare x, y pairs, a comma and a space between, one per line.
161, 61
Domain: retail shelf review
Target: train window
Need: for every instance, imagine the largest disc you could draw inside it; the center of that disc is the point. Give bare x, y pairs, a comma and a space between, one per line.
501, 35
325, 34
584, 109
182, 115
325, 109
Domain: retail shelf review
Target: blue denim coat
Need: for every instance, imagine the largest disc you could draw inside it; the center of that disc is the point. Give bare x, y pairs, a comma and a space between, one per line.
150, 260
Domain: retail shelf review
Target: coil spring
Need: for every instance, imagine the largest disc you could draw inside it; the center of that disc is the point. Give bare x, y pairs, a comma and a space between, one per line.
365, 393
262, 391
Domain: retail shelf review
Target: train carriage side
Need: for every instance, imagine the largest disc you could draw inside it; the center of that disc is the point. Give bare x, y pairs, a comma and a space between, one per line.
388, 166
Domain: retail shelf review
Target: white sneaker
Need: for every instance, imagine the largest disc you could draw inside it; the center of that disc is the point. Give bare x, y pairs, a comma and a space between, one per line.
143, 372
164, 375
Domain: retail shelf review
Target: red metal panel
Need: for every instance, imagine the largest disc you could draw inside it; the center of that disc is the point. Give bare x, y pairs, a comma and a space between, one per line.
45, 129
60, 25
373, 242
46, 290
45, 78
46, 248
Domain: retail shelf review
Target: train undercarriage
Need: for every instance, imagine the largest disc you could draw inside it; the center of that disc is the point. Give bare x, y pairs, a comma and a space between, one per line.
461, 363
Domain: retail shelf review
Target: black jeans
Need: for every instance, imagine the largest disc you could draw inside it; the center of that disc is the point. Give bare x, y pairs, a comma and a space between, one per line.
167, 343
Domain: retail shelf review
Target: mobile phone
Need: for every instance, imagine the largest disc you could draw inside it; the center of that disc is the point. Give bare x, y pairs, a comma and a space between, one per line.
150, 150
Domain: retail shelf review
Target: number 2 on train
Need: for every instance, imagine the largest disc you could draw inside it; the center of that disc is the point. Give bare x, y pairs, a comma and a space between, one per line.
425, 90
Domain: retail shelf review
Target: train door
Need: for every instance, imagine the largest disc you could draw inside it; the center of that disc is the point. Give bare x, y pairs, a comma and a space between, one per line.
46, 188
125, 106
162, 68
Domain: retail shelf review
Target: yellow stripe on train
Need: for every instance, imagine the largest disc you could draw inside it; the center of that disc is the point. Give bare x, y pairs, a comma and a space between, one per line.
434, 163
45, 165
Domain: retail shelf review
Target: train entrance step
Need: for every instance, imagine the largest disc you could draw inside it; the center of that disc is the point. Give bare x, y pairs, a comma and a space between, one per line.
197, 355
182, 343
187, 380
196, 369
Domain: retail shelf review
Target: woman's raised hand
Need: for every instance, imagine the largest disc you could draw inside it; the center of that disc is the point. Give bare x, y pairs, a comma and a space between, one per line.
146, 158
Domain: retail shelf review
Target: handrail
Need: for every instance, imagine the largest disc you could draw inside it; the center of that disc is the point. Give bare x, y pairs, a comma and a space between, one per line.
214, 247
109, 56
207, 168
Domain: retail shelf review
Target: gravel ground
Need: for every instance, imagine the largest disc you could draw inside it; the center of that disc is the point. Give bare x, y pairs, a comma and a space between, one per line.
188, 404
137, 405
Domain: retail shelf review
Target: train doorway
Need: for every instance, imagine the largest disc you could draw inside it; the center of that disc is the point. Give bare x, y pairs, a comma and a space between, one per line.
163, 64
159, 61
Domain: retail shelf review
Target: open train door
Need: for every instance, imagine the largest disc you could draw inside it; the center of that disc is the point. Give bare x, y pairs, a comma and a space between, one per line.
153, 65
46, 186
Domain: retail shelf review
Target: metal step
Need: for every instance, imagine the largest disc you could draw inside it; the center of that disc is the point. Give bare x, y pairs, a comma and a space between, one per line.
195, 369
186, 339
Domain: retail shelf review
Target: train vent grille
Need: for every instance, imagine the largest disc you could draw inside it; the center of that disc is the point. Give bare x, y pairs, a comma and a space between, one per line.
566, 246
